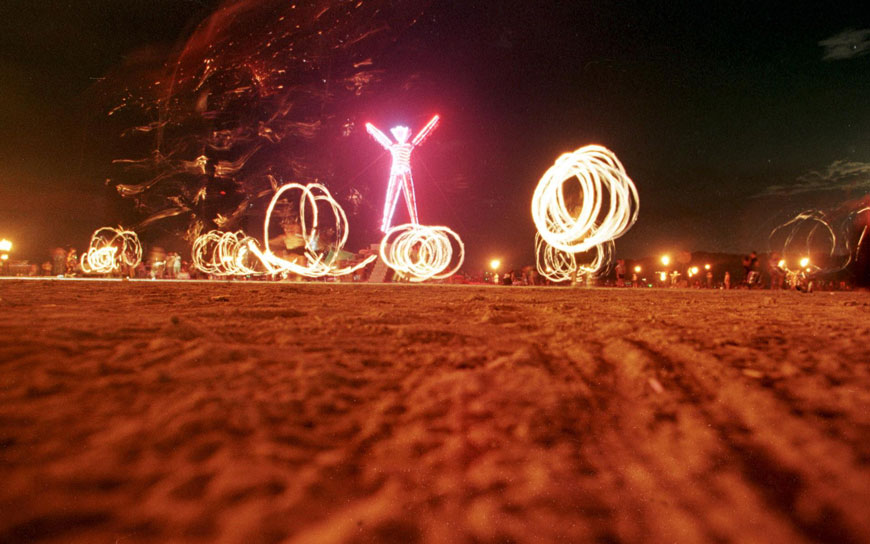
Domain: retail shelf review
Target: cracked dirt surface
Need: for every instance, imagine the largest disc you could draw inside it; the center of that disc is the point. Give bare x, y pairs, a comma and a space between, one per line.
246, 412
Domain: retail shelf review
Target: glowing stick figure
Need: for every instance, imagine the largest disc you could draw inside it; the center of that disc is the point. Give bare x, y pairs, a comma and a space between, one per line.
400, 171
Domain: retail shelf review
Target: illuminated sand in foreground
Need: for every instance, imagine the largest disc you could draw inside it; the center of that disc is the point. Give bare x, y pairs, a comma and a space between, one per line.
236, 412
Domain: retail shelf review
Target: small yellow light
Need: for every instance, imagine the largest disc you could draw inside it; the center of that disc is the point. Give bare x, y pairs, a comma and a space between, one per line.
663, 276
804, 262
637, 269
781, 263
706, 267
4, 257
494, 264
5, 245
666, 260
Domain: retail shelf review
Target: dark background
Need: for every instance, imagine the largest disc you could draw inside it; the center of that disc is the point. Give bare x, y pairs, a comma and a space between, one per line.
720, 114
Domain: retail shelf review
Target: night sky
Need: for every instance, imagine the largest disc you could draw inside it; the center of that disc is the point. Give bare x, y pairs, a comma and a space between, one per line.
728, 119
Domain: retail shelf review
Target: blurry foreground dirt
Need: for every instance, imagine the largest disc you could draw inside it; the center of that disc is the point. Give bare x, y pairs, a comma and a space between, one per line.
232, 412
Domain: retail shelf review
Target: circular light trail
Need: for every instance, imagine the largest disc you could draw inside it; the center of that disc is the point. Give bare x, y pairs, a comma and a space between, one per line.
605, 207
817, 242
110, 249
558, 266
224, 254
608, 203
422, 252
320, 257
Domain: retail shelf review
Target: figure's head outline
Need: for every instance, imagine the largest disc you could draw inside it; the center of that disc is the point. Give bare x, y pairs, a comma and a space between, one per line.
401, 133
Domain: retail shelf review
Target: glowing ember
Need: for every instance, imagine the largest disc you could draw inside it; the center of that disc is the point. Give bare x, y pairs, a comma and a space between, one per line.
110, 249
400, 171
320, 253
421, 252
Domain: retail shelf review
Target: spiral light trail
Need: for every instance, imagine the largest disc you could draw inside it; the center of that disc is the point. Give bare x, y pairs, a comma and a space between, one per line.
608, 204
224, 254
421, 252
822, 238
319, 261
110, 249
558, 266
806, 233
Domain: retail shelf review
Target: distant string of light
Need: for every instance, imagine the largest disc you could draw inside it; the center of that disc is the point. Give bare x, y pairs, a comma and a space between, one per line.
109, 249
602, 179
224, 254
421, 252
318, 262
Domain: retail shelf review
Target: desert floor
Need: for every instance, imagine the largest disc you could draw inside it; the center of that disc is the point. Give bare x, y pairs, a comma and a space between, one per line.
322, 412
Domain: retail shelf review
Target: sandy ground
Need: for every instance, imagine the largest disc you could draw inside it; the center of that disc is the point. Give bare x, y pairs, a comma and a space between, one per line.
232, 412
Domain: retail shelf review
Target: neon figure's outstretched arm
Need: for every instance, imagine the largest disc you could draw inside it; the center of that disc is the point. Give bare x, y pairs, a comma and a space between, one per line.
379, 136
425, 131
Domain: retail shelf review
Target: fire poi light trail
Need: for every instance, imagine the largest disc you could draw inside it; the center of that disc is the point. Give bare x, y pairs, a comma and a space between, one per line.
400, 170
825, 238
558, 266
224, 254
109, 249
421, 252
320, 258
592, 227
601, 178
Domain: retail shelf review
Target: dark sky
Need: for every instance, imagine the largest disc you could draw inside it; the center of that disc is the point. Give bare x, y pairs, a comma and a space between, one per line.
728, 119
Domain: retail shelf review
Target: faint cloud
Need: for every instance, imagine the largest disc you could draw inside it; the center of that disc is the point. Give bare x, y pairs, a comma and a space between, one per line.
838, 176
848, 44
